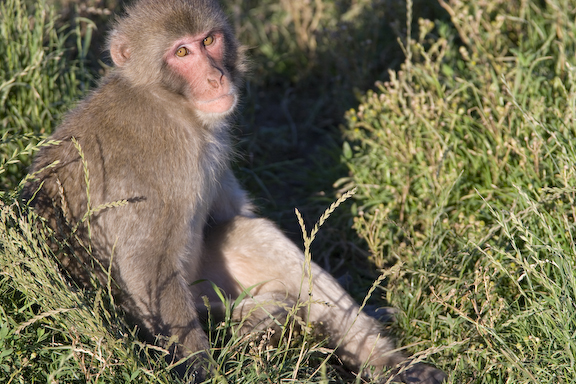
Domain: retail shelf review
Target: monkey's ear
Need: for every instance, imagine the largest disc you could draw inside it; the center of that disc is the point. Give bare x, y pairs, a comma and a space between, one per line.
119, 50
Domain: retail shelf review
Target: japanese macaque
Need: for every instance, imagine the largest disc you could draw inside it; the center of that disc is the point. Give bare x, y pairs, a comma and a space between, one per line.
140, 187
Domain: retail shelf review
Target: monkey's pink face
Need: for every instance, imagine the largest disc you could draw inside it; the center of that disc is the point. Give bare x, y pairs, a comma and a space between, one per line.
199, 61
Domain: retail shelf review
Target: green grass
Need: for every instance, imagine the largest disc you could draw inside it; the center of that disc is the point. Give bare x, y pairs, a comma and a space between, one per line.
465, 166
39, 79
462, 157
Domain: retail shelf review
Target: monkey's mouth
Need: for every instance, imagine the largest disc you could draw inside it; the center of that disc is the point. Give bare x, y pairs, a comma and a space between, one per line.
221, 104
204, 102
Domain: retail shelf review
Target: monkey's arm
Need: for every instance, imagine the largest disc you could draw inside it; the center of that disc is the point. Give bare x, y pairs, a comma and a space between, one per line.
154, 292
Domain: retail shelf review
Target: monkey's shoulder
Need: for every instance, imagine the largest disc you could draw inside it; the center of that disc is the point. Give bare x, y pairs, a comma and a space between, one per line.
133, 115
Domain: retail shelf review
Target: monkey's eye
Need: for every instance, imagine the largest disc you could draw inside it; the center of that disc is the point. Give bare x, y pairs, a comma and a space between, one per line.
181, 52
208, 40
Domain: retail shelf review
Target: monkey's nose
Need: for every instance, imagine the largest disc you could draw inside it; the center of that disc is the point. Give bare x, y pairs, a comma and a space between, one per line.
213, 83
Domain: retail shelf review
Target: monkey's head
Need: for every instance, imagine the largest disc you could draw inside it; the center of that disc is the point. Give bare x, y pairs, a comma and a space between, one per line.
183, 46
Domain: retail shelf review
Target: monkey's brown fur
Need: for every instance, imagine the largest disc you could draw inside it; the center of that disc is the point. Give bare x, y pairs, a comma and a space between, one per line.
155, 134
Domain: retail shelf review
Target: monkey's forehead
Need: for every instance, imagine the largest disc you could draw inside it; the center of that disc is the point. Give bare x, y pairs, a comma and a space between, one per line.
174, 18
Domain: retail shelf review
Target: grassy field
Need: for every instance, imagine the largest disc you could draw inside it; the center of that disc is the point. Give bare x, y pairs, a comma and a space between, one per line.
455, 122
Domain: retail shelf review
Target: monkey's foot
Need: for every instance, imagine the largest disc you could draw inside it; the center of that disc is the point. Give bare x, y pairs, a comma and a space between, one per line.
422, 374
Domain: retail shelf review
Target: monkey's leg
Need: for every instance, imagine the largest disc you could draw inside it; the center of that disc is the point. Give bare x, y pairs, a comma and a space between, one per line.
155, 292
161, 301
248, 252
